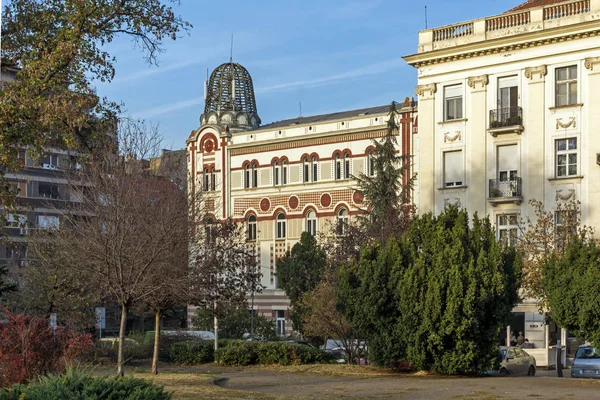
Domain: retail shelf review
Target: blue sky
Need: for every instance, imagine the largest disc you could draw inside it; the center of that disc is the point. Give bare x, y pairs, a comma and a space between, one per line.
330, 55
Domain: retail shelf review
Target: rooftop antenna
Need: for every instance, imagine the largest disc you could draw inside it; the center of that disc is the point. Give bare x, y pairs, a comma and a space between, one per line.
300, 104
206, 86
231, 50
425, 17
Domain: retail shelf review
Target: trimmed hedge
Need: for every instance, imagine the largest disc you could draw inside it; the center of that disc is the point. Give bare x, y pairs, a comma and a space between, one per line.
248, 353
192, 352
78, 386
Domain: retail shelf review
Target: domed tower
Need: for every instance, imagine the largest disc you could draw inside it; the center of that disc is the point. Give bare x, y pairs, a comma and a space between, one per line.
230, 99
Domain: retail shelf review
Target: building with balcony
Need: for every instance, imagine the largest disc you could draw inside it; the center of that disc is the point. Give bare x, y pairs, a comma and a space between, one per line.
508, 113
42, 191
283, 178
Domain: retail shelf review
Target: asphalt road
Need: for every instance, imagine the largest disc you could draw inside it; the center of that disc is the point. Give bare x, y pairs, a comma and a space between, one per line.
545, 386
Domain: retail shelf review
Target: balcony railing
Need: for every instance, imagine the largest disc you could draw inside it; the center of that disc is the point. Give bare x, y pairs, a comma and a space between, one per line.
503, 117
505, 191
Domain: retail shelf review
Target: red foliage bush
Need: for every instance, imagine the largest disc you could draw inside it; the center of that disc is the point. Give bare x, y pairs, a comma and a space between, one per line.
29, 348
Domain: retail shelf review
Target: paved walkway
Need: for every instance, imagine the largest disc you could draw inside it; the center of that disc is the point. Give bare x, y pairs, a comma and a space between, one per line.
317, 386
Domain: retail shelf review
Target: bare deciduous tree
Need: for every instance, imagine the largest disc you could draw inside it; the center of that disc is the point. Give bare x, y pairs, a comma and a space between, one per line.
128, 224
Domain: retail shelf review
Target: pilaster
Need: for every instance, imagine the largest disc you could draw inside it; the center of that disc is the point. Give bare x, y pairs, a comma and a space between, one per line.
426, 173
592, 105
477, 145
535, 128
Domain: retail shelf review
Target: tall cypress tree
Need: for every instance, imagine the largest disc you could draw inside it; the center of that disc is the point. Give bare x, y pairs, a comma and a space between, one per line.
387, 191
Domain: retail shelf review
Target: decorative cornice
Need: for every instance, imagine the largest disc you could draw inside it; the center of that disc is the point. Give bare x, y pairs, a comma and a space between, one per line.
502, 48
536, 73
592, 62
426, 92
308, 142
478, 82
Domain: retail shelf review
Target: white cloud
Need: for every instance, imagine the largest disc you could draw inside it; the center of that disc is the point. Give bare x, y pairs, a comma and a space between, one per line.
371, 69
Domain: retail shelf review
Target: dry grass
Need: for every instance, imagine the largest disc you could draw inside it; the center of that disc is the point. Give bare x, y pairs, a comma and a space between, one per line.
330, 369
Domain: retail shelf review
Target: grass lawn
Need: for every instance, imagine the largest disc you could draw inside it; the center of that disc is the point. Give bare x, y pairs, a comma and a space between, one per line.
197, 382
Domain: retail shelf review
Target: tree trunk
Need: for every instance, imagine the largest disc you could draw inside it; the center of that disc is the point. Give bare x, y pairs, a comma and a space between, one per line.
216, 330
156, 342
120, 371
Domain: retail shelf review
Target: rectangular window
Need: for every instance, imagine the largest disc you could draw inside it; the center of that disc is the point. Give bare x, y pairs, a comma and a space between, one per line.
566, 86
453, 168
48, 222
48, 190
453, 103
315, 170
280, 322
508, 228
305, 171
566, 157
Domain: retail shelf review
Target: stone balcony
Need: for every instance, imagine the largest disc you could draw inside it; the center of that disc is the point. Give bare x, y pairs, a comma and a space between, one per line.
510, 24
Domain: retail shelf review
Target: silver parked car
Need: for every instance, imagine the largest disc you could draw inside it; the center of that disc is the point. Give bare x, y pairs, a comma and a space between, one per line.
515, 361
586, 363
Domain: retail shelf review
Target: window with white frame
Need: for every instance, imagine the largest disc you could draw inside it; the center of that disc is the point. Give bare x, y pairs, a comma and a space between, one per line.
311, 223
453, 168
305, 170
315, 169
209, 229
508, 228
453, 102
342, 222
251, 227
280, 322
371, 163
254, 175
566, 86
280, 226
247, 176
566, 157
346, 166
337, 165
276, 173
283, 172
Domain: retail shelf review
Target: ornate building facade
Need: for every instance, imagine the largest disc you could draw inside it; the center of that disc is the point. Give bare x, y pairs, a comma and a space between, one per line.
508, 106
283, 178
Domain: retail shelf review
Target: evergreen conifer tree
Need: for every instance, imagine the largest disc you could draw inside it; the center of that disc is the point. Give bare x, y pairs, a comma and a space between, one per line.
388, 187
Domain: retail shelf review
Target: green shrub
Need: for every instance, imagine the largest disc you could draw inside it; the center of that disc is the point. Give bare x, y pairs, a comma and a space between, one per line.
248, 353
75, 385
192, 352
132, 350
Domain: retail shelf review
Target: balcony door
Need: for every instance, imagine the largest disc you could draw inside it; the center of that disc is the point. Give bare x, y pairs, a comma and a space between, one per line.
508, 169
508, 98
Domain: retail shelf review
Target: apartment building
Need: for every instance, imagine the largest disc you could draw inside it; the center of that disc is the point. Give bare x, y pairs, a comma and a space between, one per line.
283, 178
42, 190
508, 109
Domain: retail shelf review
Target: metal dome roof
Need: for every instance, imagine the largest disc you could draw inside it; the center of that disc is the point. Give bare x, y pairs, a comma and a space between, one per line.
230, 89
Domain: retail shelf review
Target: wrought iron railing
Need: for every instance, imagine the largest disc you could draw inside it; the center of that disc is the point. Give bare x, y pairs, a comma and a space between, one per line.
508, 116
501, 188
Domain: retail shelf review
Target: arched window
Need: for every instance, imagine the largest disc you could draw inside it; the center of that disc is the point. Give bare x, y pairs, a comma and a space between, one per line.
342, 222
337, 166
275, 173
254, 175
213, 178
283, 172
251, 228
311, 223
305, 170
280, 226
205, 179
315, 169
247, 176
371, 163
346, 166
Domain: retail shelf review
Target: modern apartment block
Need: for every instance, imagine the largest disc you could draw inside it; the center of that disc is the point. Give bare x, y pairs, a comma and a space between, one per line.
508, 112
42, 189
283, 178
